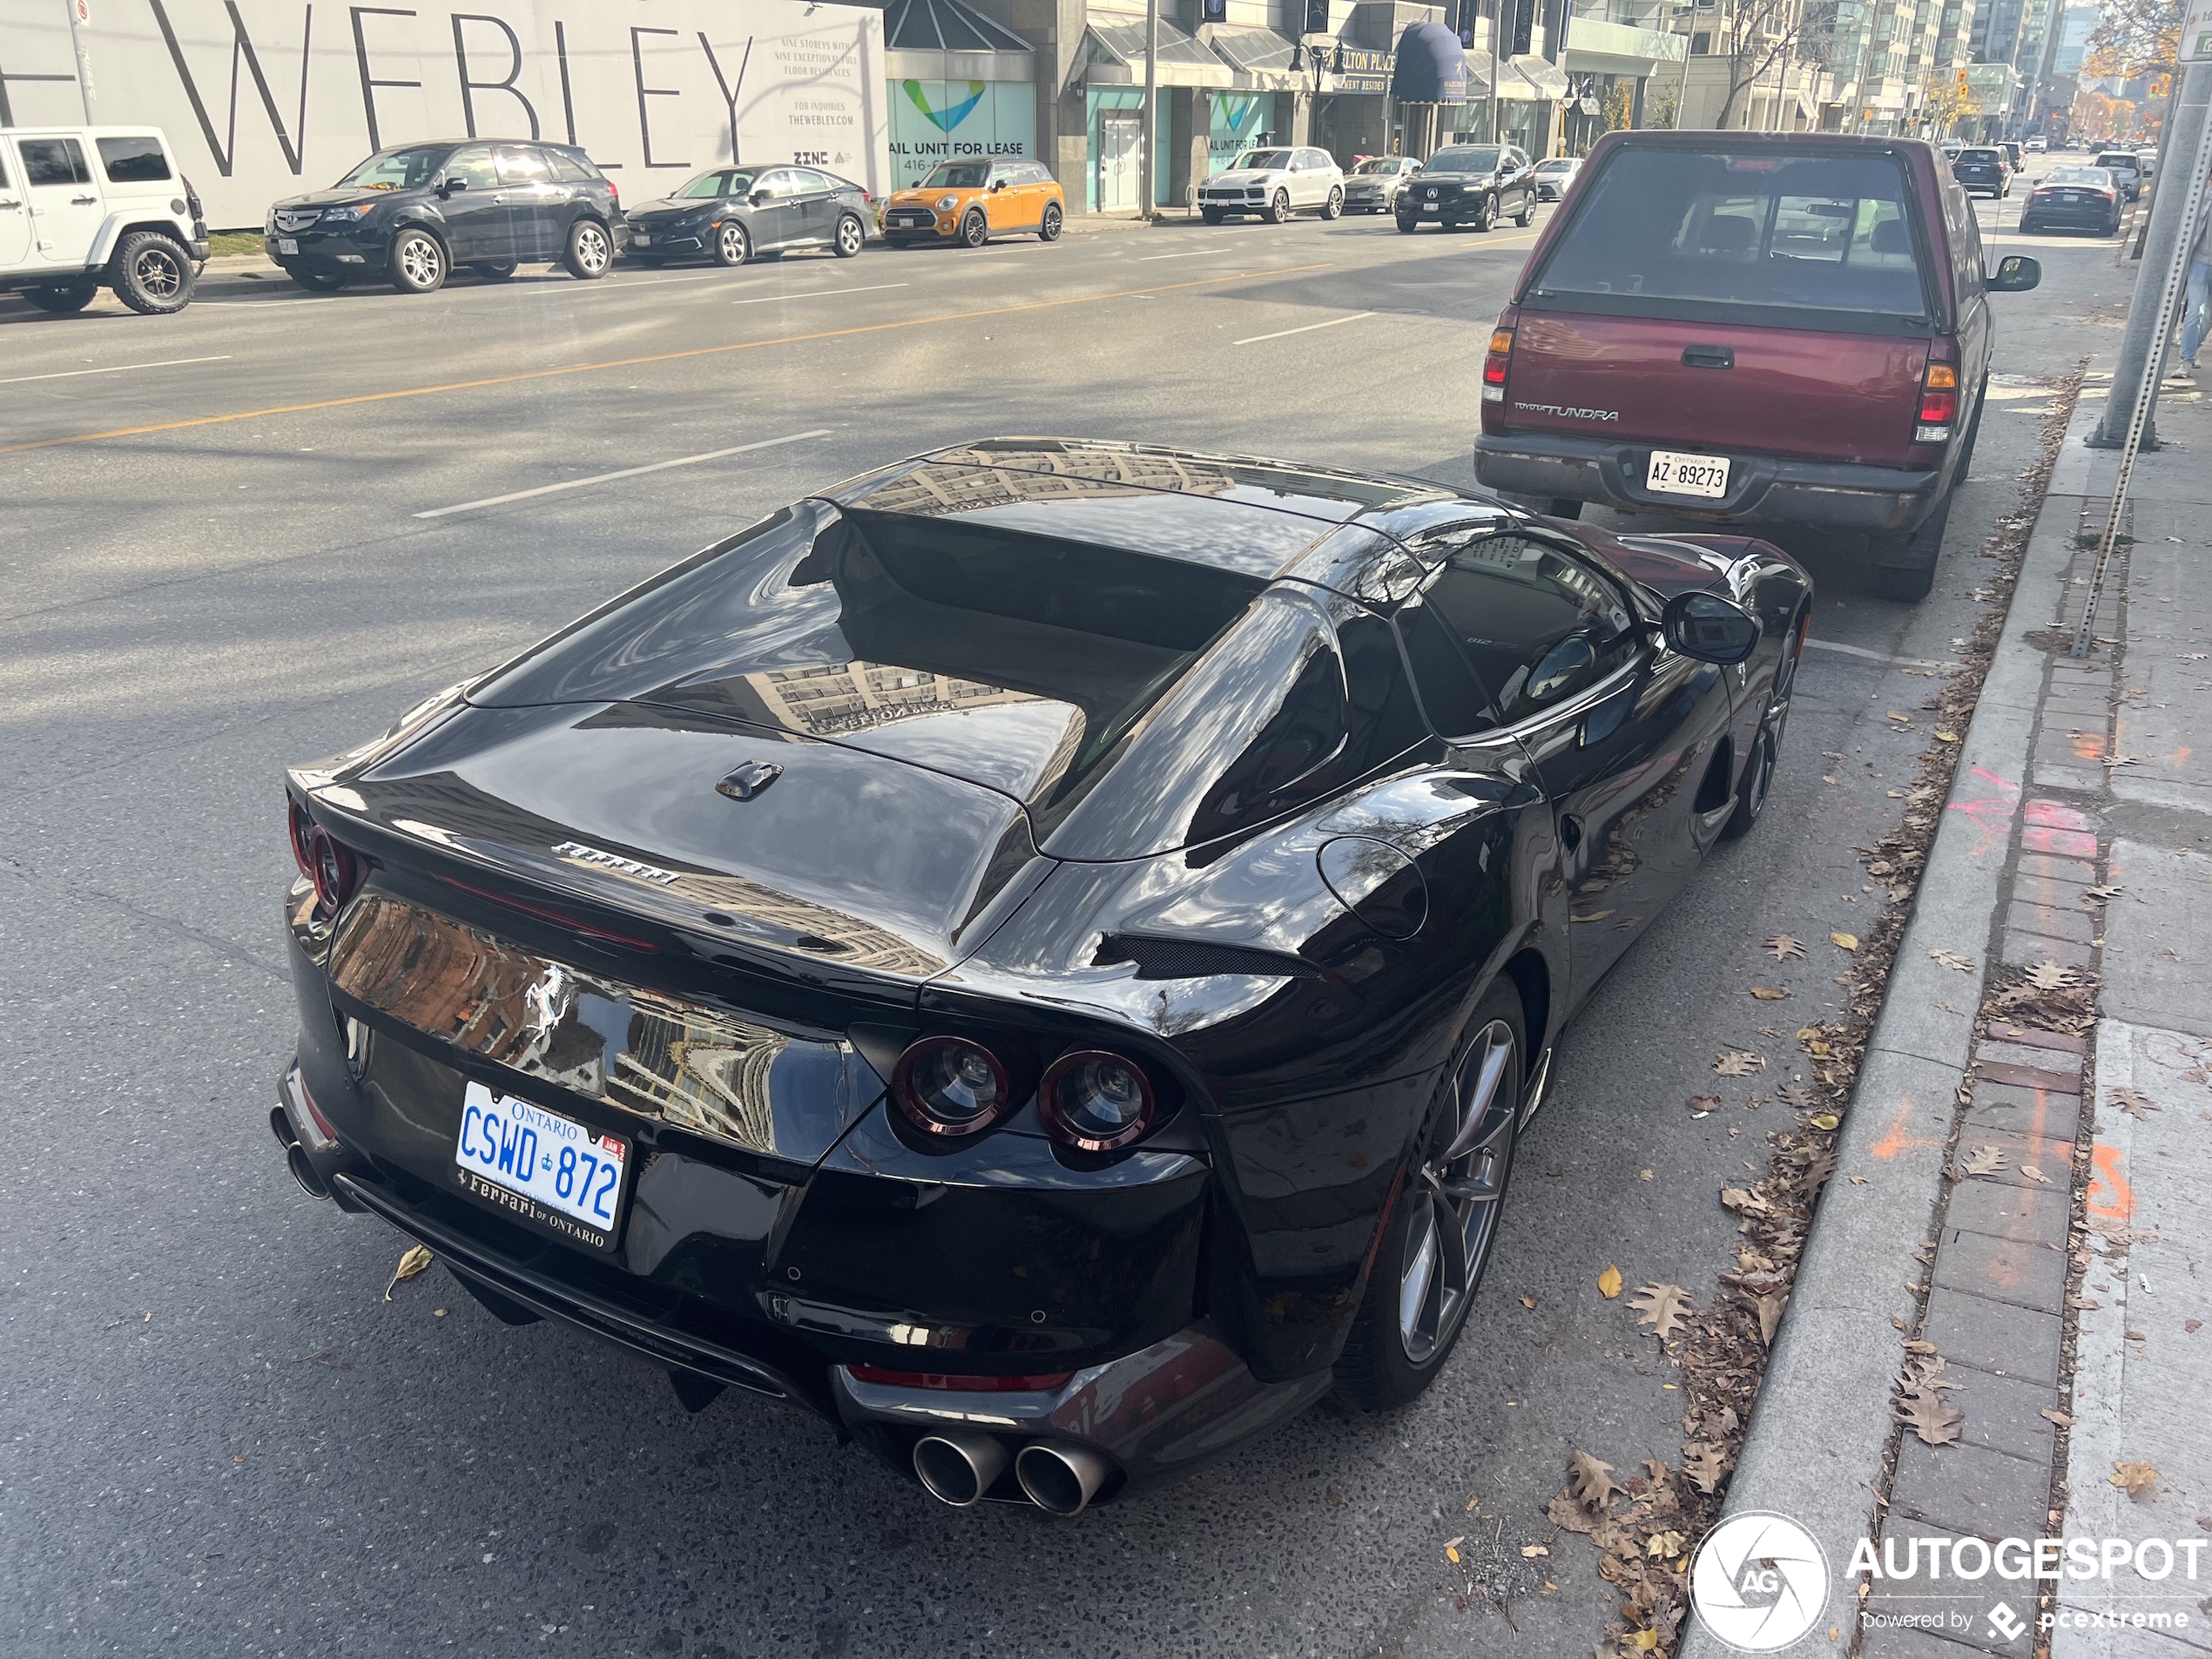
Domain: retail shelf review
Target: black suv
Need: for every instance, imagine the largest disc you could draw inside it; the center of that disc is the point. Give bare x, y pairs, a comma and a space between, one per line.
1982, 168
1469, 184
411, 214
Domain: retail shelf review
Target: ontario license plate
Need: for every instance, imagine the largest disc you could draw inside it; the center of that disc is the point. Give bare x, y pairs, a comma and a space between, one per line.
1679, 474
287, 245
540, 1166
1431, 207
638, 238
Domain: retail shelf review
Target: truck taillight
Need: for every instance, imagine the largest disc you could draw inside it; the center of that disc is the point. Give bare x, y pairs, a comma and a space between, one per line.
1939, 404
1493, 365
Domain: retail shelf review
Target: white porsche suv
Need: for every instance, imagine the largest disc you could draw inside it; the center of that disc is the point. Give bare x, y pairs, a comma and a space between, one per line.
83, 208
1274, 184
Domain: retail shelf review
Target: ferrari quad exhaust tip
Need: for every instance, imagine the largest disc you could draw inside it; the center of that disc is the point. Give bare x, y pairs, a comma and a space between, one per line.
958, 1468
1060, 1479
295, 1156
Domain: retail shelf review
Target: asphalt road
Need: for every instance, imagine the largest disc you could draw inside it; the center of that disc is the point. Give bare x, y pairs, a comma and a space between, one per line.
251, 534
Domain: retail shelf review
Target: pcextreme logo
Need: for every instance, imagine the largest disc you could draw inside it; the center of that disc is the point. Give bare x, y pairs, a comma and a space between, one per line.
1759, 1582
945, 120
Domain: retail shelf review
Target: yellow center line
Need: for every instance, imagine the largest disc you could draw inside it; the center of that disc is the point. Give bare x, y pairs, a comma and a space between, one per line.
657, 357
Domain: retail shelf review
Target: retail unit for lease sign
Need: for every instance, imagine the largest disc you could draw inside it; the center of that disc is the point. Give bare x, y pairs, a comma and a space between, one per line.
265, 99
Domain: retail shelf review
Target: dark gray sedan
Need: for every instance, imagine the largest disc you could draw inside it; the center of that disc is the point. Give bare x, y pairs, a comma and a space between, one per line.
729, 214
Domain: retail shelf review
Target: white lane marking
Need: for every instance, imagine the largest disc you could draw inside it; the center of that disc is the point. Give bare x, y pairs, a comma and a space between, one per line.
1872, 656
1147, 259
819, 294
1253, 339
113, 368
626, 472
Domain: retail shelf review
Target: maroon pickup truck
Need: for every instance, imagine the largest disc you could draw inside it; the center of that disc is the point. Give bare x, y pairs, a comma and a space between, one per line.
1752, 329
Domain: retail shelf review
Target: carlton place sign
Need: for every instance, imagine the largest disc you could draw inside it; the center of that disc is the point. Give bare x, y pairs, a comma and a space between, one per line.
265, 98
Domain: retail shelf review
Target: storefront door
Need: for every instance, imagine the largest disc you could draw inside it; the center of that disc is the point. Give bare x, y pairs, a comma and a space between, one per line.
1118, 142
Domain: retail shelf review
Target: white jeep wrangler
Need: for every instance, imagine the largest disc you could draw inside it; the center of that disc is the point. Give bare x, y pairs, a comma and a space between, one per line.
84, 207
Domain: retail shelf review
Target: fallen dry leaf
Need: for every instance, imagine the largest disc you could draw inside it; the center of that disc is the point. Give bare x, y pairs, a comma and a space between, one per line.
2136, 1478
1795, 1094
2060, 1417
1946, 736
1664, 1308
1452, 1550
1953, 959
2135, 1103
1591, 1483
1704, 1105
1770, 992
2049, 976
1906, 719
2035, 1174
416, 1261
1826, 1120
1529, 1302
1933, 1420
1563, 1512
1783, 949
1609, 1283
1736, 1062
1706, 1466
1844, 941
1529, 1551
1770, 1306
1982, 1160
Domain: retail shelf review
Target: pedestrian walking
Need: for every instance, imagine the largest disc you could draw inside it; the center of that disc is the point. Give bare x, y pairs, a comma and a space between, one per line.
2193, 315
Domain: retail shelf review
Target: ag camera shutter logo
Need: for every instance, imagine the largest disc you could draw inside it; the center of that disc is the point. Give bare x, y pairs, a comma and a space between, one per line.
1759, 1582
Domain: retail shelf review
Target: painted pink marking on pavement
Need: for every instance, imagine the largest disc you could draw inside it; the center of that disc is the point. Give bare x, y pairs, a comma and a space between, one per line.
2053, 815
2069, 844
1989, 776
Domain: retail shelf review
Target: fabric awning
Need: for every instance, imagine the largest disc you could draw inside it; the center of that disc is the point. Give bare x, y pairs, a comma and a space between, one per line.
1529, 80
1111, 53
1432, 66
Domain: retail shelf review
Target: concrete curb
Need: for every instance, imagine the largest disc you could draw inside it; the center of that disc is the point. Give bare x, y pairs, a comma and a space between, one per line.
1821, 1425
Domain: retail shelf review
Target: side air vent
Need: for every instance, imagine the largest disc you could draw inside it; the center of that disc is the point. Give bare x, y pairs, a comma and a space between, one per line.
1194, 959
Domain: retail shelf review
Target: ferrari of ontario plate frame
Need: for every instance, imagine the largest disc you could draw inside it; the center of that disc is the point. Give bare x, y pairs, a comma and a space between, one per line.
644, 1050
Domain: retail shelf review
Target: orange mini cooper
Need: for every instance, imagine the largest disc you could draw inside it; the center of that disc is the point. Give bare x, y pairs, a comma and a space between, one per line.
969, 202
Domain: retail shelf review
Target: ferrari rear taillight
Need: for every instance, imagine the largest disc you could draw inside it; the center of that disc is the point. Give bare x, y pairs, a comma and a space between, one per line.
1939, 404
1493, 365
334, 867
1096, 1101
951, 1086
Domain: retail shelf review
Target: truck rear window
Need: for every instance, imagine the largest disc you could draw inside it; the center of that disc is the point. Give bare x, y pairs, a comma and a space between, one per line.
1794, 232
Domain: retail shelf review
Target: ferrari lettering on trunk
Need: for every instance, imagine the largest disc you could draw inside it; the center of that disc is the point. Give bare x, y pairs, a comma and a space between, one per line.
584, 854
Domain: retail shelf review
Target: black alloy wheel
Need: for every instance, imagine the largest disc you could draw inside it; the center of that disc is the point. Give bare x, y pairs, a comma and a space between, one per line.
1445, 1222
63, 299
152, 273
496, 270
731, 245
1278, 209
1050, 227
590, 252
852, 236
315, 281
418, 261
974, 230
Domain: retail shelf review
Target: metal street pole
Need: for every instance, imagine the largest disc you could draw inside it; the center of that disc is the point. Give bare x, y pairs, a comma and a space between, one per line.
1497, 29
2136, 380
1682, 86
1144, 135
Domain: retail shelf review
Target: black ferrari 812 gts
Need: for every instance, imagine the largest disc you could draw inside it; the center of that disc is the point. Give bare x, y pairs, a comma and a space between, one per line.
1039, 954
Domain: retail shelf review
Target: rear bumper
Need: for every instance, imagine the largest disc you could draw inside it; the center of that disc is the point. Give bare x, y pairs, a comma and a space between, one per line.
1763, 489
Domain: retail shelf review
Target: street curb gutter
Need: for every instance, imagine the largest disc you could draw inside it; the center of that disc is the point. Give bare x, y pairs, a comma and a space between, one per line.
1820, 1428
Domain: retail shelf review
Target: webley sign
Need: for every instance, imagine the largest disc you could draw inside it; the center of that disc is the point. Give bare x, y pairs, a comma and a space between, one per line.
264, 99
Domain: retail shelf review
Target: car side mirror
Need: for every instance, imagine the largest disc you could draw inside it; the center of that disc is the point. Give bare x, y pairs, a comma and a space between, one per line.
451, 185
2016, 274
997, 185
1708, 628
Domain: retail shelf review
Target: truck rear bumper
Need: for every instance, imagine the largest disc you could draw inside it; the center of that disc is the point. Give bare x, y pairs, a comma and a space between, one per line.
1763, 490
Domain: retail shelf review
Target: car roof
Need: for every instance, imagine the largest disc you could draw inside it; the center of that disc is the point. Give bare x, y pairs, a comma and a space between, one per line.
1242, 513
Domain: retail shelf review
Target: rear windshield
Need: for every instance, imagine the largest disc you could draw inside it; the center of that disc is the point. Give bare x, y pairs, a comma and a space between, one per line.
2096, 177
2120, 160
1980, 155
1660, 231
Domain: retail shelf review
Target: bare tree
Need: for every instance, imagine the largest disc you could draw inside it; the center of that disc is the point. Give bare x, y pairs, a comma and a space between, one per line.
2135, 39
1754, 36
